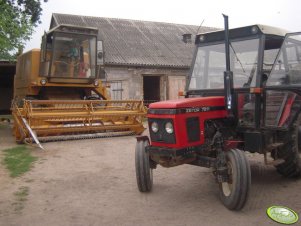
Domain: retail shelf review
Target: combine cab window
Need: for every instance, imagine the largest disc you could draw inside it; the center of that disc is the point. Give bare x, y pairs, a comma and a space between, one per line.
73, 56
209, 67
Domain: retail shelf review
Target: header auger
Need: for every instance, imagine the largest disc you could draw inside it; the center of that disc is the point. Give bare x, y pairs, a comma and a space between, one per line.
50, 119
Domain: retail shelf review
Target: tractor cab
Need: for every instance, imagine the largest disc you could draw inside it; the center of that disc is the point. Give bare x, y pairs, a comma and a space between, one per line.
70, 54
253, 51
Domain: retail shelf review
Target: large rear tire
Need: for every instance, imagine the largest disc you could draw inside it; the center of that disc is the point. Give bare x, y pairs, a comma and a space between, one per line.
144, 173
290, 152
234, 193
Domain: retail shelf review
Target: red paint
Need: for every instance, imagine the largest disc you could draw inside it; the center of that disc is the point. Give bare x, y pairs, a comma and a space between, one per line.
180, 119
287, 110
189, 102
231, 144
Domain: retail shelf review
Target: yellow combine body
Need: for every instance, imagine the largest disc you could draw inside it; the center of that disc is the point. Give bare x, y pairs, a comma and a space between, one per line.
58, 91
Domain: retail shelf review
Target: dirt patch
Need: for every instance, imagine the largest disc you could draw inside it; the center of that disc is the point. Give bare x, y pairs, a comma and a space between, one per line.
92, 182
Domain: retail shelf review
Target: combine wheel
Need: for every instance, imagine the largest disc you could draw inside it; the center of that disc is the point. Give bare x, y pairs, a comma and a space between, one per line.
290, 152
144, 173
234, 193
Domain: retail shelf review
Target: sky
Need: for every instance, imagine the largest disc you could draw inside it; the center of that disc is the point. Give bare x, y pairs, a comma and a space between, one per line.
285, 14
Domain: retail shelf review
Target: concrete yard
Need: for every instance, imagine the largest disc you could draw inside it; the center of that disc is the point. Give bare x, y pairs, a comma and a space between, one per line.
93, 182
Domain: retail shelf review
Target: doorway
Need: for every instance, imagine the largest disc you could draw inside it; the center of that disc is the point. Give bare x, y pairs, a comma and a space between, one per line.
151, 89
7, 72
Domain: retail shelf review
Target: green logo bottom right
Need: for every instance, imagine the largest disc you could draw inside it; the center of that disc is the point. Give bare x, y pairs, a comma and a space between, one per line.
282, 214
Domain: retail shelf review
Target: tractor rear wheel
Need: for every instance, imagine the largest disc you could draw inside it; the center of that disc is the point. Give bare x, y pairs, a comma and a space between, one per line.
290, 152
144, 173
234, 193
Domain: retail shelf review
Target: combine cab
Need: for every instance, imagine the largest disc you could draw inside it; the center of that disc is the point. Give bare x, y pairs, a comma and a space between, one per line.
241, 96
58, 91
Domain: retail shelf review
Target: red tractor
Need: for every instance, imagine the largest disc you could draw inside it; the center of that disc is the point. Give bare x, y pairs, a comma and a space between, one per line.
254, 105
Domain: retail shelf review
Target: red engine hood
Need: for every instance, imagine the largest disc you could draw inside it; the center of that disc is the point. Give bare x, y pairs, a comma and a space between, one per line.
189, 103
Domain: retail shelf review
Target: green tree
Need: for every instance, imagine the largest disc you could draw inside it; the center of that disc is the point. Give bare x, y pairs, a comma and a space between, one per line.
18, 18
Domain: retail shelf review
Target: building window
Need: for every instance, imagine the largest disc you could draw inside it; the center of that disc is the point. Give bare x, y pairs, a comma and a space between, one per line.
116, 90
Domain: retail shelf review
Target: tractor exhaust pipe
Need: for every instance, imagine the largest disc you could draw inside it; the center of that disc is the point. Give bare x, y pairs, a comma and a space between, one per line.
228, 74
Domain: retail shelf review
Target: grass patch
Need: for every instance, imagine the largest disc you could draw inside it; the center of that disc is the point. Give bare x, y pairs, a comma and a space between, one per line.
21, 197
22, 194
18, 160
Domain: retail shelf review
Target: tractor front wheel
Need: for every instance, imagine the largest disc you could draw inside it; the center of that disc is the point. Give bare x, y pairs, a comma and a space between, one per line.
144, 173
234, 192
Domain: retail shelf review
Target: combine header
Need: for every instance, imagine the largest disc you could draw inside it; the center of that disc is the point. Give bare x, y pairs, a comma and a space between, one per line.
58, 91
50, 119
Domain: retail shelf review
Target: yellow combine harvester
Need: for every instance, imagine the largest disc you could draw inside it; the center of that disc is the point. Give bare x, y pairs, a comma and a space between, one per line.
58, 91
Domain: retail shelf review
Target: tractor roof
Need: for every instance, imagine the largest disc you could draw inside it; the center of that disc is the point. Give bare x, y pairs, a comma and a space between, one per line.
265, 29
240, 32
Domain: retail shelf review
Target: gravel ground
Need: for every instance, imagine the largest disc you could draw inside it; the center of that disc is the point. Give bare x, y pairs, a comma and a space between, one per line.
92, 182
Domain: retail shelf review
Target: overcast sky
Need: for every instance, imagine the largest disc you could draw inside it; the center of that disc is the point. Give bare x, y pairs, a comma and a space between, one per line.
280, 13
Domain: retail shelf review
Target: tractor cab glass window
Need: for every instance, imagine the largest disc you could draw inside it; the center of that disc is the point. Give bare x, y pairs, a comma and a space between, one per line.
209, 67
271, 49
74, 56
287, 68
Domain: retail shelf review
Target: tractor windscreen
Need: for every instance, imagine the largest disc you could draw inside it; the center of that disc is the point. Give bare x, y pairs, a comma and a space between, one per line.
287, 67
210, 64
74, 56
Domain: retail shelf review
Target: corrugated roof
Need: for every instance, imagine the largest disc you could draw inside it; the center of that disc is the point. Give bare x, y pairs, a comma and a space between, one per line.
138, 43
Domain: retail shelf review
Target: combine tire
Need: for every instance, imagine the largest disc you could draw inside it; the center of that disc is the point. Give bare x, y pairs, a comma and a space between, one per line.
234, 193
290, 152
144, 173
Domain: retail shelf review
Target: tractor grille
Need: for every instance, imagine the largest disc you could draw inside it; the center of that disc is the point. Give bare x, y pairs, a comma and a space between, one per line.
193, 129
161, 136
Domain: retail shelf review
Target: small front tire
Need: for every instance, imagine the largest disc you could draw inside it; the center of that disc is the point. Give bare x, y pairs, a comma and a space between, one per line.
234, 193
144, 173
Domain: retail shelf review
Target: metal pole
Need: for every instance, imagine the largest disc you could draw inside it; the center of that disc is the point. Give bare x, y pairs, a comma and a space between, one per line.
228, 74
227, 43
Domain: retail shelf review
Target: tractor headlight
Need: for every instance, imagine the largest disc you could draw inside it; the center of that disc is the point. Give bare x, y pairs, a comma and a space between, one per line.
43, 82
96, 83
154, 127
169, 127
